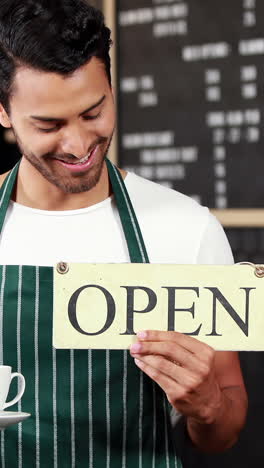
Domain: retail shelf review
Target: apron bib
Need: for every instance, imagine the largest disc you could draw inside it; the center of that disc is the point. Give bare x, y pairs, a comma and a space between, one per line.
89, 409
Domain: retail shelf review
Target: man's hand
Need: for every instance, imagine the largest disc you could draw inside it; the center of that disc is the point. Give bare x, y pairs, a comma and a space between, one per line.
204, 385
185, 369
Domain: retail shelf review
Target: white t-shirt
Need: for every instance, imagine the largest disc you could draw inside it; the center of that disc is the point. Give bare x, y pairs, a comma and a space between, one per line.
174, 227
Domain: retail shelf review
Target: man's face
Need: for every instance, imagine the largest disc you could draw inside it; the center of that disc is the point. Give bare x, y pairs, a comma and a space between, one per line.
64, 125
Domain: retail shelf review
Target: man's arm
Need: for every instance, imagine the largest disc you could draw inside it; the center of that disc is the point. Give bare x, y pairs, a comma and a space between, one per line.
205, 386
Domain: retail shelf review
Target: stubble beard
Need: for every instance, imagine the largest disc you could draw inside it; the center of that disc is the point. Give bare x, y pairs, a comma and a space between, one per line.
84, 181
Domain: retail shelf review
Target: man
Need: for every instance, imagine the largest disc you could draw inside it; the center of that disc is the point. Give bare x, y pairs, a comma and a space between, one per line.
88, 408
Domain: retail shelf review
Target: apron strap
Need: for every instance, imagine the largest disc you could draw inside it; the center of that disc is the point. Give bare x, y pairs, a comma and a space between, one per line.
6, 193
135, 242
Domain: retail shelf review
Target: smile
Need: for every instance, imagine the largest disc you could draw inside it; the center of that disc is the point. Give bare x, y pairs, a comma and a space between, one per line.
81, 161
81, 164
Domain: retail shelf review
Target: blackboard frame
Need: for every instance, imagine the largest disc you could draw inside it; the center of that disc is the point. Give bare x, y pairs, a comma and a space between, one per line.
240, 218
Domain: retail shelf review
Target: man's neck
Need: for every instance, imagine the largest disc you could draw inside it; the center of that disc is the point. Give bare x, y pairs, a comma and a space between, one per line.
34, 191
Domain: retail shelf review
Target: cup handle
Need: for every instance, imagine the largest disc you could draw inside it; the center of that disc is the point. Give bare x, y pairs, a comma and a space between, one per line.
20, 392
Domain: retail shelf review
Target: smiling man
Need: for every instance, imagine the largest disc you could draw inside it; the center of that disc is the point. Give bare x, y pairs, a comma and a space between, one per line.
66, 201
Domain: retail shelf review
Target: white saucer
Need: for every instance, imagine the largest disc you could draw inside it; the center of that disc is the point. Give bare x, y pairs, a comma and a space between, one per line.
7, 418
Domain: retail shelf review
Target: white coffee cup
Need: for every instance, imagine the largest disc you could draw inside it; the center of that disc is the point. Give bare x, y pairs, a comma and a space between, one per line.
6, 377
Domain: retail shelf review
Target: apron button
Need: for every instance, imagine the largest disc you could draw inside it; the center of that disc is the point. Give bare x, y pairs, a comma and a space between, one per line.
62, 268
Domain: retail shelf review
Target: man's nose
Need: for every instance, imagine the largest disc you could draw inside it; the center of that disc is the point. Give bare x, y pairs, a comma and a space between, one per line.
75, 141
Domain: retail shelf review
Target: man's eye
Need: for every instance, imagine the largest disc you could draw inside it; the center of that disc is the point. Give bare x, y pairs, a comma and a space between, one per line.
49, 130
57, 127
92, 117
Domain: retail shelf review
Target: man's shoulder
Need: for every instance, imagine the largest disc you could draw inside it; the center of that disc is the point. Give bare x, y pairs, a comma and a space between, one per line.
151, 195
175, 228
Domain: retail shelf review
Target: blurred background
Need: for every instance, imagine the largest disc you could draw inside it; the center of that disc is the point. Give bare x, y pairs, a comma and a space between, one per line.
189, 84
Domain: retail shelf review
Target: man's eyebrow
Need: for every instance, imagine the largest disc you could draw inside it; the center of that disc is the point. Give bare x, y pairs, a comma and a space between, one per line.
94, 106
54, 119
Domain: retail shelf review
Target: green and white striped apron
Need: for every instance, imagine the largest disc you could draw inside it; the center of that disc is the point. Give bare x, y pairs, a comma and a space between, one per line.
90, 409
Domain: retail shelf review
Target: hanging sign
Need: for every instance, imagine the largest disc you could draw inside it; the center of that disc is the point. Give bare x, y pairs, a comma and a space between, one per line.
103, 306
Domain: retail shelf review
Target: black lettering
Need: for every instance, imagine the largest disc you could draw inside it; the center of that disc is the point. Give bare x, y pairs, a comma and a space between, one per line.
73, 313
218, 296
152, 301
172, 310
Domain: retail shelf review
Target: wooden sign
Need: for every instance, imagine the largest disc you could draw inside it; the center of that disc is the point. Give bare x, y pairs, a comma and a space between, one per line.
102, 306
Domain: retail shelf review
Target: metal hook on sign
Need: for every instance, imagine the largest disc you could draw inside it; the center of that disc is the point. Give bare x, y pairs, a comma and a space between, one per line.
259, 269
62, 268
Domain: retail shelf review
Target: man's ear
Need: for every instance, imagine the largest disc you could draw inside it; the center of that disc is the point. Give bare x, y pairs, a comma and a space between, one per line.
4, 119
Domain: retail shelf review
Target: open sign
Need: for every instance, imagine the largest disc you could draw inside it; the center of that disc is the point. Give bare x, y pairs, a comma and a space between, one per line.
102, 306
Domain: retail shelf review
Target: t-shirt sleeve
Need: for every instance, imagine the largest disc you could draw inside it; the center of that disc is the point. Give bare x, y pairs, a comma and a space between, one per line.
214, 248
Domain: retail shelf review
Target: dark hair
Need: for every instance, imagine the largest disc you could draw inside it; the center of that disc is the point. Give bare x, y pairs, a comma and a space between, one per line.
49, 35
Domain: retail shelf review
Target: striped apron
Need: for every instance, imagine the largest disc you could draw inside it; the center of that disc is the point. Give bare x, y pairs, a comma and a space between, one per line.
89, 409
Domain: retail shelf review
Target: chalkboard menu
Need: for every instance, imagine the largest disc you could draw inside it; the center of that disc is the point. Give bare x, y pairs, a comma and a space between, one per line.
191, 77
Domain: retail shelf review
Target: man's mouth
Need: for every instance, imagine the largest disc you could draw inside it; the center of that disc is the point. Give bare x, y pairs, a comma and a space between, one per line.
81, 164
80, 161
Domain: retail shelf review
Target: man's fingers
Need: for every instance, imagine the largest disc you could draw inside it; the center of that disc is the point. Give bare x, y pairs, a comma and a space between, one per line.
167, 374
188, 342
165, 381
171, 351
